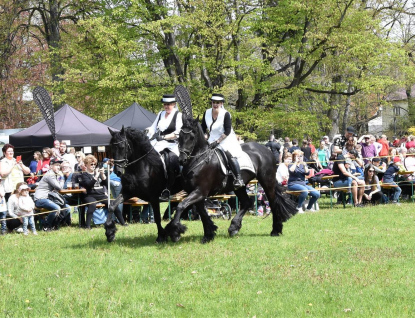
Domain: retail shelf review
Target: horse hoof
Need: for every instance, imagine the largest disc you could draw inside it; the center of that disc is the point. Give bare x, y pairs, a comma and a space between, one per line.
233, 233
276, 233
206, 239
110, 230
161, 239
175, 239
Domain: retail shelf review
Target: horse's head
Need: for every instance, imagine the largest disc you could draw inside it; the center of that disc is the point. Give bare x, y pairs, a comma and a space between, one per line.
119, 149
188, 138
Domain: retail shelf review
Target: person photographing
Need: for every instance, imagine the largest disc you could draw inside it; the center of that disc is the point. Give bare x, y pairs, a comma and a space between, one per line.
296, 182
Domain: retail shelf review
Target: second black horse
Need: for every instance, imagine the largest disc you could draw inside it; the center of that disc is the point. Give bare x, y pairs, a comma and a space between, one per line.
203, 177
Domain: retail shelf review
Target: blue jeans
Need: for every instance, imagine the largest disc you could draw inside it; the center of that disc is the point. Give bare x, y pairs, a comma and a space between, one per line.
116, 187
3, 222
343, 183
52, 220
309, 191
28, 220
398, 190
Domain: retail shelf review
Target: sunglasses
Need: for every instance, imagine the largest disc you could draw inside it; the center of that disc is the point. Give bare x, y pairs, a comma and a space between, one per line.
93, 164
77, 156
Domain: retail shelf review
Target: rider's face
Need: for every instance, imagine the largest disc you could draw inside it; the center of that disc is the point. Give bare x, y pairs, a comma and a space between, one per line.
168, 107
216, 104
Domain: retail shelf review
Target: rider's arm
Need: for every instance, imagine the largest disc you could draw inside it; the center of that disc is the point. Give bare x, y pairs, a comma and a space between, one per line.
227, 124
204, 126
152, 129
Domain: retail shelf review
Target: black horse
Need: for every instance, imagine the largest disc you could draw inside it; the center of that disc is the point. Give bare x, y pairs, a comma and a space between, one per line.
143, 176
203, 177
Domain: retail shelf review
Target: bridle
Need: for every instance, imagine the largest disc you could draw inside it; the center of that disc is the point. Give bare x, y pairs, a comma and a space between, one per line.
188, 155
123, 163
186, 152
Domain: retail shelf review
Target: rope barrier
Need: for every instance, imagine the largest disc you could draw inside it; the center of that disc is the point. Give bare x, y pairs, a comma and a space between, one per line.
343, 188
363, 158
47, 212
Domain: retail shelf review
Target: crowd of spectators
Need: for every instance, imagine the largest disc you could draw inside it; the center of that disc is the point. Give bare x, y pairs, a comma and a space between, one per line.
360, 164
52, 170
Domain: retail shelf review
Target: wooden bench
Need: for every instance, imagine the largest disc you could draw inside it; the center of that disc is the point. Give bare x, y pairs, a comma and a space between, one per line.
135, 202
297, 193
388, 188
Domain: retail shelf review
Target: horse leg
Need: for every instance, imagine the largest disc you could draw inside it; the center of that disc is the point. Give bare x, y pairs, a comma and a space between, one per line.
174, 229
208, 226
161, 233
236, 223
110, 228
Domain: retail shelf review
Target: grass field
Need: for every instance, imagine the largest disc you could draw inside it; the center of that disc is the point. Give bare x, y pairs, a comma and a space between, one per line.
332, 263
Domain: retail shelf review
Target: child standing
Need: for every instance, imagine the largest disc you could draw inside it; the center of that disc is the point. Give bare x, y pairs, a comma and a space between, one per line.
56, 153
3, 208
26, 206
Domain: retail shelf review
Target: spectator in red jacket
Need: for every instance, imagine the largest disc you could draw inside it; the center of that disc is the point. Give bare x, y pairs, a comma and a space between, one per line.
410, 142
384, 152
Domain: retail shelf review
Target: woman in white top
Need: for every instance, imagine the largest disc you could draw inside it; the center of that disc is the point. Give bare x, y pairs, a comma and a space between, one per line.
283, 174
11, 170
164, 131
218, 124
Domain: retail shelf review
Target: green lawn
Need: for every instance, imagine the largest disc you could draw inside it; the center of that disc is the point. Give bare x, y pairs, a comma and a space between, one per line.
333, 263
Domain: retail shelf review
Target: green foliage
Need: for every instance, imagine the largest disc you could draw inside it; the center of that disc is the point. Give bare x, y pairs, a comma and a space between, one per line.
291, 56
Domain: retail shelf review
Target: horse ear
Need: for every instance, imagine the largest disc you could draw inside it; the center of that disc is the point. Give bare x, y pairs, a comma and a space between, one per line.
198, 117
122, 130
111, 132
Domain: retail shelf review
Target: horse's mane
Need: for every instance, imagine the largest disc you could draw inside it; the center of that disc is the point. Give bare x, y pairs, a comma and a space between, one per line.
141, 143
189, 122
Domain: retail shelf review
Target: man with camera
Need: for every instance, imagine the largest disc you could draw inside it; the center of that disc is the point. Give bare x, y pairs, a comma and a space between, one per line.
340, 142
52, 181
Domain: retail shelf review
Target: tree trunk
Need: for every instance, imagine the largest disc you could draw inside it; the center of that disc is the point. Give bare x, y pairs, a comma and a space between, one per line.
411, 105
334, 110
346, 109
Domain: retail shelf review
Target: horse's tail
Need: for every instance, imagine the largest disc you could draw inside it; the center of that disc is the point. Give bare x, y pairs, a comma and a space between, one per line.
283, 203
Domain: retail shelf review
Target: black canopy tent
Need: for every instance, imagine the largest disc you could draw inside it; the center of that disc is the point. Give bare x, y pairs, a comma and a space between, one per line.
134, 116
71, 125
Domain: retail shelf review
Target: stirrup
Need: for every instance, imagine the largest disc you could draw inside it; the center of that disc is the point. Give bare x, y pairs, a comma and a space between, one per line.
165, 195
238, 183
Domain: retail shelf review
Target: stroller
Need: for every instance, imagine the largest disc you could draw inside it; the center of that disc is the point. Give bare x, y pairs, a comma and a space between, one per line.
218, 209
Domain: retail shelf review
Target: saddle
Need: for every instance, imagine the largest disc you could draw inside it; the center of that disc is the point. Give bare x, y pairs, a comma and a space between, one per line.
171, 166
223, 158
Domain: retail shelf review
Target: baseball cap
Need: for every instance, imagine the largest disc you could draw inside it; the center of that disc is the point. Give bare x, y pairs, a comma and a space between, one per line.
325, 137
105, 160
348, 161
55, 160
375, 159
23, 187
350, 129
396, 159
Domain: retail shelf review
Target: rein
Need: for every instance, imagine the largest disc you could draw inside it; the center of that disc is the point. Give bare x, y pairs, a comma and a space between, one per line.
123, 163
195, 163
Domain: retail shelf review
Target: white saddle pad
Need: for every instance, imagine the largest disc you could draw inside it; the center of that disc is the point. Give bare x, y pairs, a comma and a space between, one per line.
245, 163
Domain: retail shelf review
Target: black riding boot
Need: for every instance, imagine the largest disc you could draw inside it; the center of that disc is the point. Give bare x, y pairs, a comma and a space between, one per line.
165, 194
236, 170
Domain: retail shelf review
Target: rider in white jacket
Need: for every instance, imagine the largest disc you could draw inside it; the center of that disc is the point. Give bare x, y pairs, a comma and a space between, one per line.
217, 121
